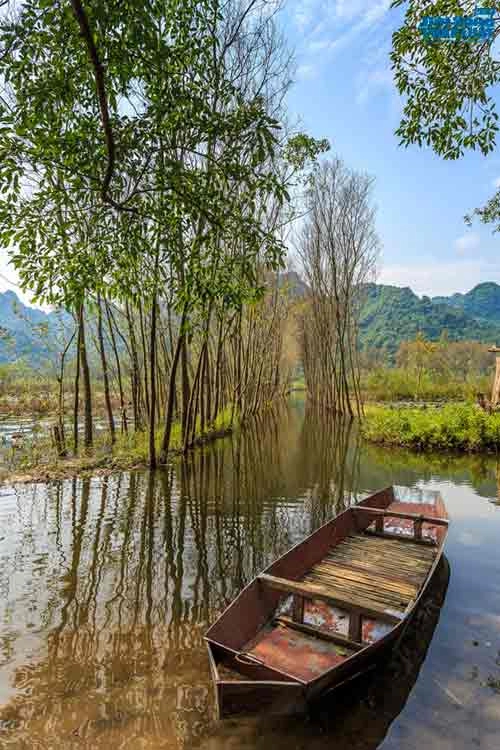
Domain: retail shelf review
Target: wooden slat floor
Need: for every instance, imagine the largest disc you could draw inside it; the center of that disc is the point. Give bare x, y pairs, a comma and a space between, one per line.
386, 573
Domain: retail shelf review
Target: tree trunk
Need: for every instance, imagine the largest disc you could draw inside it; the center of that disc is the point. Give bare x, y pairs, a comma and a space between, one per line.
77, 383
104, 363
87, 391
152, 379
123, 408
134, 374
165, 445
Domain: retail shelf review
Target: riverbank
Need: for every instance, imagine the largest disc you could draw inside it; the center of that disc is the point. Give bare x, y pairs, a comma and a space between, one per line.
130, 451
453, 427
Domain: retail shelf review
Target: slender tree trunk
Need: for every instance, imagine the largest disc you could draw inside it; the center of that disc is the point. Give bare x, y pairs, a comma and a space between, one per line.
165, 445
77, 382
104, 363
144, 359
61, 438
152, 371
123, 407
134, 374
185, 385
87, 390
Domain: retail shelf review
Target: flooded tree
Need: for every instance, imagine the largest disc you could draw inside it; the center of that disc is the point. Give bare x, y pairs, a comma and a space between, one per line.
338, 247
148, 174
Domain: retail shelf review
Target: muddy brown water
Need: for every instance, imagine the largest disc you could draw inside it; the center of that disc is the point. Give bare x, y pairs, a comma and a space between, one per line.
107, 586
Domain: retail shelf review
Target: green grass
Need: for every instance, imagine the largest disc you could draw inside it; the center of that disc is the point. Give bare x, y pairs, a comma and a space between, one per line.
134, 445
399, 384
38, 457
460, 427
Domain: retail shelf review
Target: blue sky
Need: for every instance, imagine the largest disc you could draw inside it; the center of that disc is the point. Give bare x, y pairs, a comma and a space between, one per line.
344, 91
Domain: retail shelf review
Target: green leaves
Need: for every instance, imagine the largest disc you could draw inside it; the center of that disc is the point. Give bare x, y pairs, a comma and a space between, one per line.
447, 85
201, 169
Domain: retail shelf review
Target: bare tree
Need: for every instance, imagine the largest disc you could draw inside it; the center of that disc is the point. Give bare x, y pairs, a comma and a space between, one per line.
338, 246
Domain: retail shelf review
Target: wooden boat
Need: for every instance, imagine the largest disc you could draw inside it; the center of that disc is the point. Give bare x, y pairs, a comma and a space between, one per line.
328, 609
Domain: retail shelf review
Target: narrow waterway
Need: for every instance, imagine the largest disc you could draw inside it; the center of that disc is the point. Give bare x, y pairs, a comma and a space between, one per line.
107, 586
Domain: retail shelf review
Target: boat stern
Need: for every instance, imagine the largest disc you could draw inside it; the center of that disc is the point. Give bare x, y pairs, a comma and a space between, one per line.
237, 694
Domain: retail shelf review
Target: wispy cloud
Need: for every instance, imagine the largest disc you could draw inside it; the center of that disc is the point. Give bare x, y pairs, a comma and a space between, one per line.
374, 81
306, 72
496, 183
435, 278
467, 243
338, 22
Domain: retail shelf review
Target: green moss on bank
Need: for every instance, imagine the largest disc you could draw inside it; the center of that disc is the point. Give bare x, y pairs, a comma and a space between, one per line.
453, 427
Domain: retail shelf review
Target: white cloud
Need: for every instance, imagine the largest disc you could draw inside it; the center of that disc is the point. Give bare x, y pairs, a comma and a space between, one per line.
302, 19
335, 25
371, 10
435, 278
467, 243
373, 82
496, 183
306, 72
317, 45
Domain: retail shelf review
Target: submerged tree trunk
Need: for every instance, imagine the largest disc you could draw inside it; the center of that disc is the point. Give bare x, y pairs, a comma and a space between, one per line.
165, 444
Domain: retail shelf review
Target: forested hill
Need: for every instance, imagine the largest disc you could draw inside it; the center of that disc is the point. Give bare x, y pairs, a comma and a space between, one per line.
27, 333
481, 302
390, 315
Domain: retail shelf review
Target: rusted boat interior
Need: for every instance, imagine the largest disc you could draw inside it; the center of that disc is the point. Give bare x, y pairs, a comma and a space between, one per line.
321, 613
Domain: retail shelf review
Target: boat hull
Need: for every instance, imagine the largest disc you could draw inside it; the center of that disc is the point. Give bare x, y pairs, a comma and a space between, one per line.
277, 672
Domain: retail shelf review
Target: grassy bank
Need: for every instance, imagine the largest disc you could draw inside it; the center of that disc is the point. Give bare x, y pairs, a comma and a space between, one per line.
38, 460
454, 427
401, 384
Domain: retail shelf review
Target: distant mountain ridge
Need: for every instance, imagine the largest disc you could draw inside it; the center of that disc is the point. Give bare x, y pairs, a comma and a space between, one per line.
392, 314
389, 315
482, 302
27, 333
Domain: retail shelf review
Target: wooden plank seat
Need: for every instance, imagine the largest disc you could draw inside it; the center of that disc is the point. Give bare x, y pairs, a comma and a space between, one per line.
328, 608
368, 578
397, 514
329, 595
341, 640
418, 520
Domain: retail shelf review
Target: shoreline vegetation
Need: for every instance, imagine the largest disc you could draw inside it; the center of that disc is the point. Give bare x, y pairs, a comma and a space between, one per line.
129, 451
451, 428
454, 427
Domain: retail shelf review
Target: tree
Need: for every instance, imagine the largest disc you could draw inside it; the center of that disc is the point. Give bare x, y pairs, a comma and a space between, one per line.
447, 87
338, 246
149, 168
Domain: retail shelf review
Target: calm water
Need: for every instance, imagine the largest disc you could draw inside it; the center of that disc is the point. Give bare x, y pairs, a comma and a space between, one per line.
107, 585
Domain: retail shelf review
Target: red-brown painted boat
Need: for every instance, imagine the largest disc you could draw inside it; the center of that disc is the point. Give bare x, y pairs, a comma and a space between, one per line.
330, 608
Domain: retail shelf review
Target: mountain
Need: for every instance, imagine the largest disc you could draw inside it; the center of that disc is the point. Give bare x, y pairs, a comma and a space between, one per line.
392, 314
482, 302
27, 333
389, 315
291, 282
